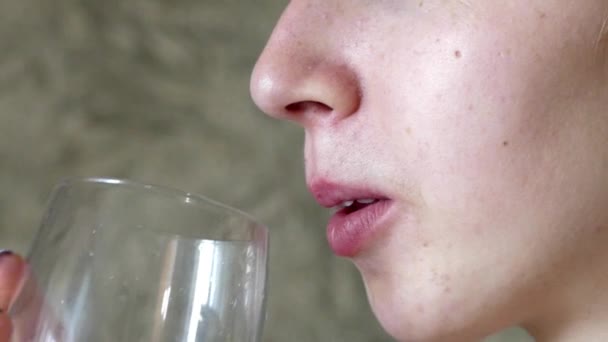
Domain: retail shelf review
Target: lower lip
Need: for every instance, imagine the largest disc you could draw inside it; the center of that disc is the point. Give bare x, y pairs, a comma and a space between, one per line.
349, 233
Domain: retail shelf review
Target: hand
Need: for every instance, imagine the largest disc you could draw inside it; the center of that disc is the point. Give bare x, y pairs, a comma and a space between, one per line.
12, 269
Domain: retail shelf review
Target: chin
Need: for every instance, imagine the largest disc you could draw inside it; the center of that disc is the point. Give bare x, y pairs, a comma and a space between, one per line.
422, 314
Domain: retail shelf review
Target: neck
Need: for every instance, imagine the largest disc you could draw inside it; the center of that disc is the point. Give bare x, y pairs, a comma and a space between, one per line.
591, 328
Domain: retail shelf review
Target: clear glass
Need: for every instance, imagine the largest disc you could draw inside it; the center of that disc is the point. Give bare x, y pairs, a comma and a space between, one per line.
120, 261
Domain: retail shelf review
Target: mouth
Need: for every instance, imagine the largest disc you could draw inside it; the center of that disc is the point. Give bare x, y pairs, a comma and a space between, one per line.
357, 218
350, 206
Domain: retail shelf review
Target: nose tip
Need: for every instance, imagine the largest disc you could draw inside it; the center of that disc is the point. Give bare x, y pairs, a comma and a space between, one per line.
296, 89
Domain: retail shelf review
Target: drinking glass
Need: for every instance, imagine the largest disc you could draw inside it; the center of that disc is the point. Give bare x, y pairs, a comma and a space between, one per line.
120, 261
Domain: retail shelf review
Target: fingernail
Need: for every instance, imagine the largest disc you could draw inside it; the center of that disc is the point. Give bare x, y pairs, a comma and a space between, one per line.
4, 252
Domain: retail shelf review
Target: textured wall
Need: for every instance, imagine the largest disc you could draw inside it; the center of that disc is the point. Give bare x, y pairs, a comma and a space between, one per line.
157, 91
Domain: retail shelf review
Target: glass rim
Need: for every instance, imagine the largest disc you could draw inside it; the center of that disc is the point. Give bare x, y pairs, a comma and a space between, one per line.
187, 197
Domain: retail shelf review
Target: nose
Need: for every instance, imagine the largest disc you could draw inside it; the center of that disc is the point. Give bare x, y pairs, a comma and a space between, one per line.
303, 75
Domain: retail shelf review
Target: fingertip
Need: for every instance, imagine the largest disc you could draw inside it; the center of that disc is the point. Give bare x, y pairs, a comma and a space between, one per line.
10, 265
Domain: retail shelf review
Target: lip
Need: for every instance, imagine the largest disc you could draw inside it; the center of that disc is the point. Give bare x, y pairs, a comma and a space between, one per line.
348, 232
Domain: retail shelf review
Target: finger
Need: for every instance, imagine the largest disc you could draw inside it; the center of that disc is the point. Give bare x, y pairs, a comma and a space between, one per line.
5, 327
12, 269
32, 317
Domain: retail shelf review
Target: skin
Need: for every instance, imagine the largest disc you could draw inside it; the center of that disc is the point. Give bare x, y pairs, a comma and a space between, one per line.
11, 271
486, 123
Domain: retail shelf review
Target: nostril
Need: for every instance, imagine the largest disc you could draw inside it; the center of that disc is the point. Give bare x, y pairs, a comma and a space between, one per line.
308, 107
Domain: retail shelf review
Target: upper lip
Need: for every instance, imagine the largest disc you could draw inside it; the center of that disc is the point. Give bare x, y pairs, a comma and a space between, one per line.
330, 194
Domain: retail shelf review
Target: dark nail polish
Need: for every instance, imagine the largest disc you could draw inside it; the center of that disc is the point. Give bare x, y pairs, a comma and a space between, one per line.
4, 252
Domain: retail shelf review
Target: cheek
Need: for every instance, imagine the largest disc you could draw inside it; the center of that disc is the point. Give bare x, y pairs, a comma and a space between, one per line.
466, 119
479, 163
477, 128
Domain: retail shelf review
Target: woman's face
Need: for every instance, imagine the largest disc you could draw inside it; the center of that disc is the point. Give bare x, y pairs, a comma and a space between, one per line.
480, 123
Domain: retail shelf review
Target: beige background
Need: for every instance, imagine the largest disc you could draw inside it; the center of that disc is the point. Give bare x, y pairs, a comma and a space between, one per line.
157, 91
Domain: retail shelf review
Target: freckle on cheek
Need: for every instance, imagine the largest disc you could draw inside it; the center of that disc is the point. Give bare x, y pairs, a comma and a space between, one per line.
505, 143
457, 54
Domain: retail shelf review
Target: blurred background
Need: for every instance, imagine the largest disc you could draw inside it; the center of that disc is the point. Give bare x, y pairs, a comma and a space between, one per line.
157, 91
